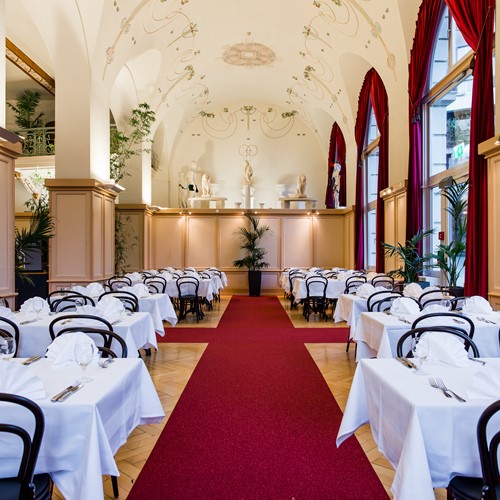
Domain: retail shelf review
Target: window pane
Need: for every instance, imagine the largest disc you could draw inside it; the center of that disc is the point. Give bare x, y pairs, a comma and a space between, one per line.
449, 128
439, 64
371, 232
459, 46
434, 217
372, 176
373, 132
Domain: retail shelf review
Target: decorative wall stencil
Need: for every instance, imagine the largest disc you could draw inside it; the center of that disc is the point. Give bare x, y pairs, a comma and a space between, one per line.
249, 54
223, 124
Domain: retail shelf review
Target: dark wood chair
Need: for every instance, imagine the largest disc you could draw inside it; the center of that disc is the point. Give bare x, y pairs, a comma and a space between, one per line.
68, 300
9, 329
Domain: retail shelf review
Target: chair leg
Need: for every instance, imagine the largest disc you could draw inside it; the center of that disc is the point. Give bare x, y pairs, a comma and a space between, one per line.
114, 483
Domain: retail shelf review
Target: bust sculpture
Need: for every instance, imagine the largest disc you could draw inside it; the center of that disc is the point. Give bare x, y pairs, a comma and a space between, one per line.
247, 180
301, 186
205, 186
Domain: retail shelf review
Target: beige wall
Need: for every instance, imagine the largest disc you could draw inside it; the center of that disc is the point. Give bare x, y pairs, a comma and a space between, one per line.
208, 238
395, 219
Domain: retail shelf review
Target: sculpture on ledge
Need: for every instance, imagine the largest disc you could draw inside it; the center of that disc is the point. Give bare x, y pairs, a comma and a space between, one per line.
205, 186
336, 184
247, 180
301, 186
192, 184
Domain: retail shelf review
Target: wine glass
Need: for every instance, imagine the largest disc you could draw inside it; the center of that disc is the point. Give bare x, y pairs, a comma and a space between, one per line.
38, 306
420, 349
84, 353
7, 347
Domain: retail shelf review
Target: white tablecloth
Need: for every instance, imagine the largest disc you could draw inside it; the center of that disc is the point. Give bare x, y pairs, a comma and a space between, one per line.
377, 334
206, 289
427, 437
349, 308
137, 330
83, 433
333, 289
160, 307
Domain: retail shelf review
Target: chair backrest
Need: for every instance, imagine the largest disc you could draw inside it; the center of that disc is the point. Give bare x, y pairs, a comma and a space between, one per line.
402, 349
4, 302
457, 303
31, 443
128, 299
382, 300
489, 452
330, 275
458, 320
116, 282
383, 280
158, 284
103, 336
436, 297
94, 322
68, 300
316, 286
293, 275
9, 329
353, 283
187, 287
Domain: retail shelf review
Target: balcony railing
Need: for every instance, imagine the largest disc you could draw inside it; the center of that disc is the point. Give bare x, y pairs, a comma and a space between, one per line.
38, 141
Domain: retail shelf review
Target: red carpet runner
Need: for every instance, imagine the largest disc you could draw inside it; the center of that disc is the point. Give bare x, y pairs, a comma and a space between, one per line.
256, 421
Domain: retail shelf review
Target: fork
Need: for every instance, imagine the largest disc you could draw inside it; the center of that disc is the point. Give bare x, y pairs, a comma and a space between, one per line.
434, 384
443, 387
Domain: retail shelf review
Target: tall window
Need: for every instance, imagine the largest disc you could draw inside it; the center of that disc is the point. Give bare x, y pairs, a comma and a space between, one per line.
370, 177
447, 113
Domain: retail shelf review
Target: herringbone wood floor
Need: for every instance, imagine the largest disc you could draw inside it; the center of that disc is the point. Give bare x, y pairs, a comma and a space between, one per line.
172, 365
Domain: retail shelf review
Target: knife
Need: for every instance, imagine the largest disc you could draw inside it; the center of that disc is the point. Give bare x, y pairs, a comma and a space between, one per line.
31, 360
58, 397
407, 362
65, 396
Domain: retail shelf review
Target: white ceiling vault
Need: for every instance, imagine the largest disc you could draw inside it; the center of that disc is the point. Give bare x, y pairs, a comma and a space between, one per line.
200, 60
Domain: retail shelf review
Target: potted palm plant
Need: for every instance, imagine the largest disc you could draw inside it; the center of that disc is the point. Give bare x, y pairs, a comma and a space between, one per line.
450, 257
412, 261
254, 254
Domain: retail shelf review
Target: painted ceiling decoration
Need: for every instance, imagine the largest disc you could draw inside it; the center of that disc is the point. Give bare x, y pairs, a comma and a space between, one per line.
249, 54
271, 123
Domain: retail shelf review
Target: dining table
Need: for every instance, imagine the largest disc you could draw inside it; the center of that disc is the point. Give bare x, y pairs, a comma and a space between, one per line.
160, 307
83, 433
349, 308
334, 288
427, 437
137, 329
377, 333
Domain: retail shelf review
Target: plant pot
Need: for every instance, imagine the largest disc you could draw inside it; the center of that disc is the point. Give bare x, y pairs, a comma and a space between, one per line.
254, 281
458, 291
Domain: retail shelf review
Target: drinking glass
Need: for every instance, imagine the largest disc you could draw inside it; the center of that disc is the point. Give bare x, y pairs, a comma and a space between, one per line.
420, 349
7, 348
38, 306
84, 353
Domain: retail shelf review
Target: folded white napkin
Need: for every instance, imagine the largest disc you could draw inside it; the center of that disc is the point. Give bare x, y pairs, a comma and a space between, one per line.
485, 383
170, 269
190, 269
19, 379
134, 276
435, 308
80, 289
139, 290
6, 313
365, 290
344, 275
404, 305
412, 290
477, 305
95, 289
62, 350
447, 348
27, 306
110, 308
191, 272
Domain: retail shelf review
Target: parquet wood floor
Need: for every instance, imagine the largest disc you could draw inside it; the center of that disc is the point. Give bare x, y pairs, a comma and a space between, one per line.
172, 365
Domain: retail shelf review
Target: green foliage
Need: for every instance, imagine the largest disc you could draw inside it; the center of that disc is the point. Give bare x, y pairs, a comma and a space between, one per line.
412, 262
251, 238
451, 257
25, 109
122, 146
123, 243
36, 237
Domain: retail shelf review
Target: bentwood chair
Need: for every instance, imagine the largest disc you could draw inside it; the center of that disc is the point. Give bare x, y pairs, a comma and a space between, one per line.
9, 329
292, 276
316, 301
80, 320
403, 347
4, 302
382, 301
440, 297
383, 280
488, 440
25, 485
353, 283
189, 301
128, 299
67, 300
458, 320
117, 282
156, 284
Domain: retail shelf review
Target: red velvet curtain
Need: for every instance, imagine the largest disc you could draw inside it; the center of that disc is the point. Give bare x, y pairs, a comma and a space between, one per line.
337, 154
360, 133
381, 110
418, 71
475, 20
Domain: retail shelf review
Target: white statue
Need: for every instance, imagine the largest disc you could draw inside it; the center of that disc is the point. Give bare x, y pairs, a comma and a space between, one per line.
301, 186
336, 184
205, 186
183, 190
192, 184
247, 181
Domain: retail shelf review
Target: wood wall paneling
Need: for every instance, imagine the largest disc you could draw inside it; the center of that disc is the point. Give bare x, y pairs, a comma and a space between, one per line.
297, 242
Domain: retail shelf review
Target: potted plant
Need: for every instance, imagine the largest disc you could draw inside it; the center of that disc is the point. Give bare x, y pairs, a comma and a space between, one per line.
253, 259
410, 257
450, 257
